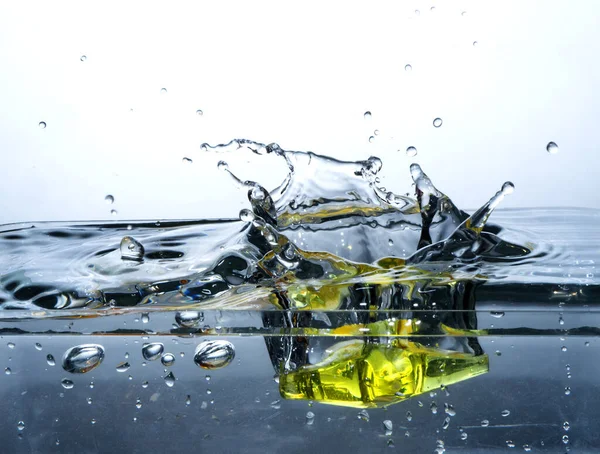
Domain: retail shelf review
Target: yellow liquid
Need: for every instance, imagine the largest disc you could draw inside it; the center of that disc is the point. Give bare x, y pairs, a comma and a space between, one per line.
366, 375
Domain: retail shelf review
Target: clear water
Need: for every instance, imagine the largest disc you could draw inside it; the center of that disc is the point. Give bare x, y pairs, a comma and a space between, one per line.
424, 328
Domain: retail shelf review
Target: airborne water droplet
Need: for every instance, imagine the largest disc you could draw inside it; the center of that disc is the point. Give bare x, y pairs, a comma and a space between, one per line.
508, 188
170, 379
42, 125
552, 148
109, 199
188, 319
123, 367
214, 354
168, 359
131, 249
411, 152
437, 122
82, 358
152, 351
474, 43
67, 384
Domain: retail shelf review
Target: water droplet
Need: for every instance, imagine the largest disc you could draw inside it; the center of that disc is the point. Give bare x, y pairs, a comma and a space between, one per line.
168, 359
188, 319
50, 360
138, 403
446, 423
437, 122
363, 415
214, 354
83, 358
83, 58
388, 426
132, 249
505, 413
170, 379
310, 418
8, 371
152, 351
20, 425
463, 436
566, 425
67, 384
563, 348
199, 112
367, 115
567, 390
187, 160
552, 148
42, 125
10, 345
408, 68
123, 367
371, 139
109, 199
485, 423
411, 152
163, 91
508, 188
38, 346
113, 212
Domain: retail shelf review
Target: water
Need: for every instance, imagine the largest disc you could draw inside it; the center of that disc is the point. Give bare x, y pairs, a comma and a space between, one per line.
329, 289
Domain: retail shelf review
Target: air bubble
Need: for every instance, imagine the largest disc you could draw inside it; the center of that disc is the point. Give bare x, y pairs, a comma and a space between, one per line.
567, 391
388, 426
188, 319
411, 152
505, 413
222, 165
20, 425
371, 139
163, 91
83, 358
83, 58
214, 354
50, 360
67, 384
8, 371
123, 367
363, 415
170, 379
310, 418
42, 124
408, 68
563, 348
566, 425
367, 115
187, 160
199, 112
168, 359
437, 122
109, 199
113, 212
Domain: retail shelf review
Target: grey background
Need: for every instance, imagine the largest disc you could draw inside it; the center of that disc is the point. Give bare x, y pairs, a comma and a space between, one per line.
302, 76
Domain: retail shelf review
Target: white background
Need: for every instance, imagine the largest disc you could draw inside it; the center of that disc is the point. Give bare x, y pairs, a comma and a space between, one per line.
300, 74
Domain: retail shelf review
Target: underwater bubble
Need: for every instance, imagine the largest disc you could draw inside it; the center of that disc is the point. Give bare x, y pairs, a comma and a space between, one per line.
485, 423
38, 346
187, 160
10, 345
50, 360
408, 68
463, 436
367, 115
475, 43
145, 317
437, 122
563, 348
170, 379
20, 425
113, 212
199, 112
42, 124
388, 426
188, 319
505, 413
446, 423
153, 351
123, 367
508, 188
371, 139
363, 415
163, 91
411, 152
138, 403
8, 371
109, 199
567, 390
214, 354
565, 439
168, 359
222, 165
376, 132
310, 418
83, 58
510, 444
566, 425
83, 358
409, 416
67, 384
497, 314
552, 148
131, 249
